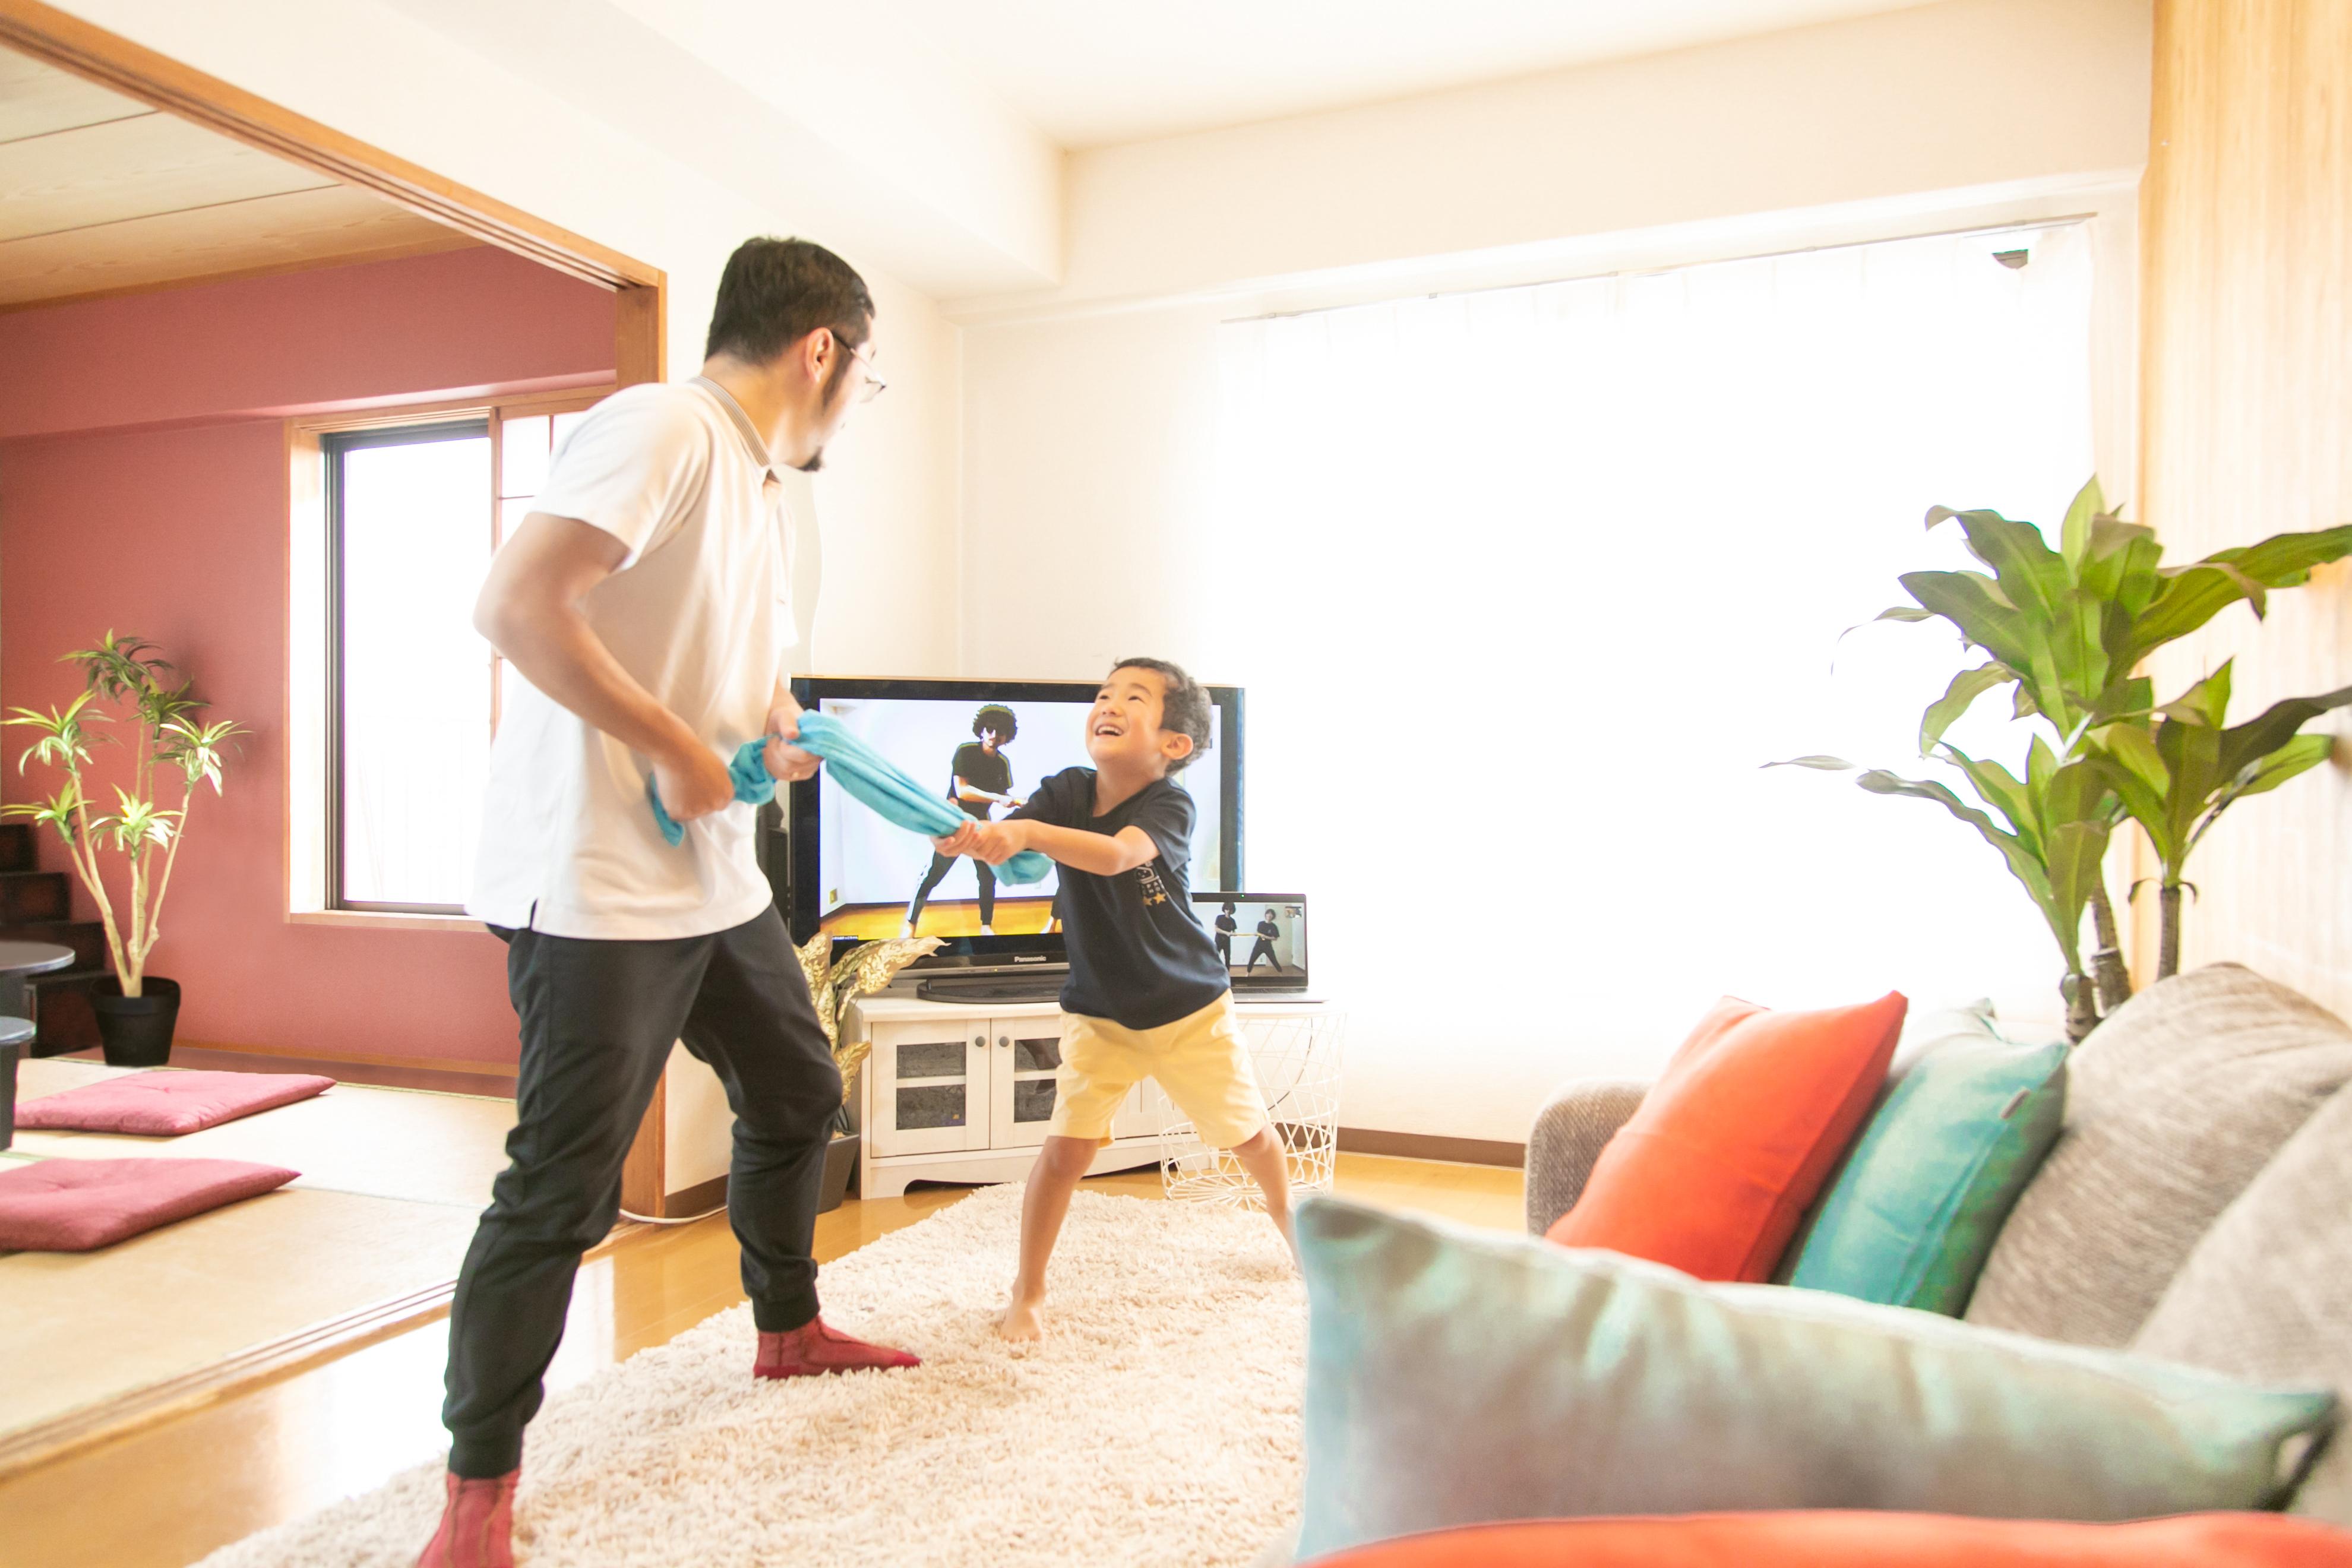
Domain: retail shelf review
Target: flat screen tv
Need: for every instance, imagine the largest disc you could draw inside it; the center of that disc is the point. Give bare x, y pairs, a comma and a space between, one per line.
850, 873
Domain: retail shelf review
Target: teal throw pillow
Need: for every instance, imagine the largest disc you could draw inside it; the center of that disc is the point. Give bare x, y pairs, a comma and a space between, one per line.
1913, 1212
1456, 1377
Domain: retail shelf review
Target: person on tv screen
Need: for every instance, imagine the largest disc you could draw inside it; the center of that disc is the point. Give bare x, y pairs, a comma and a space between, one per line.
1267, 932
980, 779
1226, 927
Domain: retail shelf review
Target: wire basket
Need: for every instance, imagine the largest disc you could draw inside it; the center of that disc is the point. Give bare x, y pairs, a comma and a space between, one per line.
1298, 1062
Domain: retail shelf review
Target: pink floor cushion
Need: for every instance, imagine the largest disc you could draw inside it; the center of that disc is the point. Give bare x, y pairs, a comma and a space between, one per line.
77, 1206
166, 1104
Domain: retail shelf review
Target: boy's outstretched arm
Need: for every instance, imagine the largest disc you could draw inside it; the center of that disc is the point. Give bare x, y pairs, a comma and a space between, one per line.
1102, 854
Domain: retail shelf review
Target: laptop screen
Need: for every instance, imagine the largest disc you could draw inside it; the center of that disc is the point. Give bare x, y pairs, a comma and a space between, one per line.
1260, 936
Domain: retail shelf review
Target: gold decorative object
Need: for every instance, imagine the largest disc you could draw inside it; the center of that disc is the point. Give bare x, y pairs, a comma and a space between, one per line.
832, 987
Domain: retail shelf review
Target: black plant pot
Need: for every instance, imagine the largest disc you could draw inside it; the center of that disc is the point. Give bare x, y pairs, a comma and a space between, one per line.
8, 1094
840, 1165
136, 1031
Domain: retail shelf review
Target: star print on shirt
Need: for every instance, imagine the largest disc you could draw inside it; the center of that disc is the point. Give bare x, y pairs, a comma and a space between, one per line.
1155, 891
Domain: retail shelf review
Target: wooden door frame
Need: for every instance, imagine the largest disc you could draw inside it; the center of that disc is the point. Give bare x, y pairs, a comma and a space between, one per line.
639, 321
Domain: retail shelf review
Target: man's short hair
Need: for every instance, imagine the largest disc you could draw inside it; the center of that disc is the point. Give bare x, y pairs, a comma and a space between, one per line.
774, 292
1185, 709
996, 717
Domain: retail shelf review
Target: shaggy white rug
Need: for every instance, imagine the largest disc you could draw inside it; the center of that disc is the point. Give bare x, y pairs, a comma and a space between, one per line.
1158, 1423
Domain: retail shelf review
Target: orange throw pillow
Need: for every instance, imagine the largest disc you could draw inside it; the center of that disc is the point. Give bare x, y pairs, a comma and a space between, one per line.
1853, 1540
1714, 1169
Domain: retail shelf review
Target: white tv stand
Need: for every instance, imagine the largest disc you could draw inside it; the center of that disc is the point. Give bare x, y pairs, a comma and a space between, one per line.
962, 1091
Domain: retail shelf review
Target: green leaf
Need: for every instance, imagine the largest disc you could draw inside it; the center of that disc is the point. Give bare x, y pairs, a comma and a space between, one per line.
2073, 860
1878, 781
2033, 576
2286, 560
2074, 534
2134, 750
2243, 745
1995, 785
2195, 594
2206, 704
1974, 602
2299, 755
2041, 763
1966, 687
2133, 698
1827, 764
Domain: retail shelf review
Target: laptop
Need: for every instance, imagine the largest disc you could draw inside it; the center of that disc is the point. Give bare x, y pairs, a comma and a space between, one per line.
1260, 936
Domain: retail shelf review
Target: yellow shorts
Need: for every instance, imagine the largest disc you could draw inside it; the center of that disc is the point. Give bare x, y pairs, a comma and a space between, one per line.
1200, 1060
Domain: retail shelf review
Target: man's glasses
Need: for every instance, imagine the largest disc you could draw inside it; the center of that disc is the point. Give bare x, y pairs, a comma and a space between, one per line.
875, 385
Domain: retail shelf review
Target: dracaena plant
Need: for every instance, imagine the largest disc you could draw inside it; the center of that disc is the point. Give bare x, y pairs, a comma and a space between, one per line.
2051, 827
171, 743
2179, 777
2066, 630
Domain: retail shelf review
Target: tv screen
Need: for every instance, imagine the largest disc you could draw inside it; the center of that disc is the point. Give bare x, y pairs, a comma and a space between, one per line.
858, 878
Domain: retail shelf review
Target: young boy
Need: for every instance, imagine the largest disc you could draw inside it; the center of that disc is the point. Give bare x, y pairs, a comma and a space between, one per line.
1148, 996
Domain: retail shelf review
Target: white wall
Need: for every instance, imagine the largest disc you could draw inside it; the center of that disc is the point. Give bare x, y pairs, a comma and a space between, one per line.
1090, 413
1969, 93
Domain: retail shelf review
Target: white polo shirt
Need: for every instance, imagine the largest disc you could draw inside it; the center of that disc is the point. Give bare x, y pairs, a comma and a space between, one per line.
701, 615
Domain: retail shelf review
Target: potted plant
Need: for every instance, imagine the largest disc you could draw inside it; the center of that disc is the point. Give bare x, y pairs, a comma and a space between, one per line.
862, 971
2066, 631
136, 1011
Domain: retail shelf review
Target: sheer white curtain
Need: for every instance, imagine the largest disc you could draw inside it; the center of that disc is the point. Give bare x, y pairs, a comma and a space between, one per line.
1526, 586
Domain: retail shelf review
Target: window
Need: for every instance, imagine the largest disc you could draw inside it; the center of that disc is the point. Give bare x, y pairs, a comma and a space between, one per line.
414, 510
1560, 566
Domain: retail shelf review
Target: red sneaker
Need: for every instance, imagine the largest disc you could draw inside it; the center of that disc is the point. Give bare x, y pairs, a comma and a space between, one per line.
476, 1525
812, 1350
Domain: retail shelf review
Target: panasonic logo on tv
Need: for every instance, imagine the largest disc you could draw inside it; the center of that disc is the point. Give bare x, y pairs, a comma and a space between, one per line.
1028, 958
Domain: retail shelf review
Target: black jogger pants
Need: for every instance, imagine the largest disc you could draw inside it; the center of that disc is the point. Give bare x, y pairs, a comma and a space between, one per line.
597, 1020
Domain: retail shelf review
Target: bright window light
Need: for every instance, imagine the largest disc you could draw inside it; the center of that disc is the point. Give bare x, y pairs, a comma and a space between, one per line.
413, 515
1557, 569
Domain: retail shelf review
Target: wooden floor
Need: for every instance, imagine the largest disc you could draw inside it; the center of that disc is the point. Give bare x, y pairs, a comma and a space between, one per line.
165, 1496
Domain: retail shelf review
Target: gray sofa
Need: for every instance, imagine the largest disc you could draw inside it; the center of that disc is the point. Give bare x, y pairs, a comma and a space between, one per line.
2198, 1207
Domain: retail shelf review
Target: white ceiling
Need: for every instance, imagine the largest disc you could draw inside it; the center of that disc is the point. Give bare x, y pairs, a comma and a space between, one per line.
1091, 72
100, 193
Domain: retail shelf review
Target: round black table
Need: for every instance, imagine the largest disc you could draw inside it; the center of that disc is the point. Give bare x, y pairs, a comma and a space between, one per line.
33, 957
18, 959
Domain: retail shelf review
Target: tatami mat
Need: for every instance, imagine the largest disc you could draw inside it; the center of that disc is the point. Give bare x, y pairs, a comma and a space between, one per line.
381, 1142
392, 1181
88, 1327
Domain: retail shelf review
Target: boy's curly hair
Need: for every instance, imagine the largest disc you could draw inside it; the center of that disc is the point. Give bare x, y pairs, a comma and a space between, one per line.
1185, 709
996, 716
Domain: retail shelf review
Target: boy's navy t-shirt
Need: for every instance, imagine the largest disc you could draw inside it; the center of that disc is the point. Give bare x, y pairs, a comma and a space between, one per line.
1137, 955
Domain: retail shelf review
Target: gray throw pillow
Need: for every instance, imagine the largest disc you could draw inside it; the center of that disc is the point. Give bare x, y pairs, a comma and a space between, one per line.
2172, 1106
2268, 1293
1455, 1377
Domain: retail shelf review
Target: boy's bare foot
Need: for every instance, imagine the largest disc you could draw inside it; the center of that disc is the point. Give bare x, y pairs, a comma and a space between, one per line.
1022, 1320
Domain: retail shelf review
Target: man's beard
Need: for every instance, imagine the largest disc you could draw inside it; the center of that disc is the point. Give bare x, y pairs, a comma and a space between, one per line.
835, 387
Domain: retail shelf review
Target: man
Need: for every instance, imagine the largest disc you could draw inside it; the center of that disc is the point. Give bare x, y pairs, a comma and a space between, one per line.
645, 602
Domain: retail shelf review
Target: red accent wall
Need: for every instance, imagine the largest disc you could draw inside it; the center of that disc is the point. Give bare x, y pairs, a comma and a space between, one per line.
144, 488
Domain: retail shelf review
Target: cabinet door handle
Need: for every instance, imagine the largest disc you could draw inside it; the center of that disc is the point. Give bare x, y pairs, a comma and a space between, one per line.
1002, 1041
980, 1040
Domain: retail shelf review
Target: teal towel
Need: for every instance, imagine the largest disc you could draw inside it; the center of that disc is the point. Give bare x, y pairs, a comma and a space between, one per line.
875, 782
870, 778
754, 786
